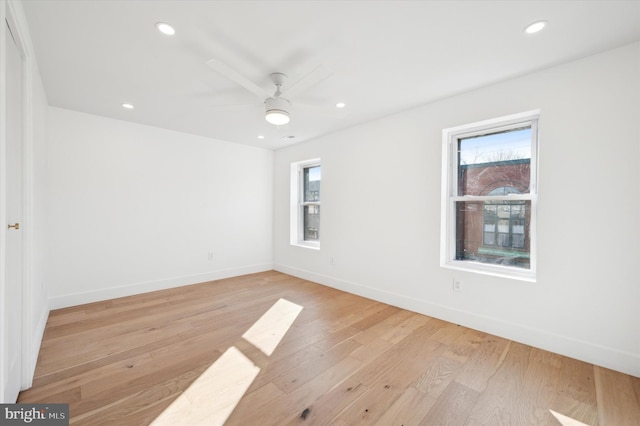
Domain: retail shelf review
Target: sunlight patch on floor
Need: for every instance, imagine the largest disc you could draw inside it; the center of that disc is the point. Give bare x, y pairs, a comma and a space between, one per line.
566, 421
213, 396
266, 333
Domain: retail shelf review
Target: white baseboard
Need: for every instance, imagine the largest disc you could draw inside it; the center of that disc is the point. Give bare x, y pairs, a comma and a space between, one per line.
607, 357
148, 286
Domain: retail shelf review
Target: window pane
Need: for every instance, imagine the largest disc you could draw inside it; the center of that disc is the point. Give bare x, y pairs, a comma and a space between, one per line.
518, 227
495, 232
495, 164
503, 240
517, 241
311, 223
312, 177
489, 238
503, 226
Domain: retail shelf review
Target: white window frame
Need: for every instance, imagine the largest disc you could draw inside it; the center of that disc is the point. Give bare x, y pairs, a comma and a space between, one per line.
298, 203
450, 138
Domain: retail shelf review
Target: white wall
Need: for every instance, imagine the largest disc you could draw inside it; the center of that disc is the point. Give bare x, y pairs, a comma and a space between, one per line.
381, 212
134, 208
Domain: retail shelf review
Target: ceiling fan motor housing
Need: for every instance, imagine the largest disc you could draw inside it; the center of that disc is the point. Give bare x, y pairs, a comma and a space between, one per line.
277, 110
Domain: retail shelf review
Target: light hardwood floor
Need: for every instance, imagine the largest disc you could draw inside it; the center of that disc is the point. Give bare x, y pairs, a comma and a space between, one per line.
345, 360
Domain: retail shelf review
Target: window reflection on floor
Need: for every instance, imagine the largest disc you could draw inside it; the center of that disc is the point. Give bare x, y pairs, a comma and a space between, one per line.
213, 396
566, 421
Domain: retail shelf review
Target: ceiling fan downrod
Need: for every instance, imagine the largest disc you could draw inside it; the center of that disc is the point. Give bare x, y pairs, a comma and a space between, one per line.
277, 108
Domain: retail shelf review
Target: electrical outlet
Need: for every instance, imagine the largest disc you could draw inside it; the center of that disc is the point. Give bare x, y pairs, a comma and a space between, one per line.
210, 256
457, 285
332, 261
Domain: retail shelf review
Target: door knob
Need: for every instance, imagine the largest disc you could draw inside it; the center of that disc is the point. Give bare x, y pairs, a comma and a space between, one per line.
15, 226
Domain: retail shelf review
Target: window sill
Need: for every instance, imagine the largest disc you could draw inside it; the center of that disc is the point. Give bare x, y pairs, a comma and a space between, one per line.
492, 270
312, 246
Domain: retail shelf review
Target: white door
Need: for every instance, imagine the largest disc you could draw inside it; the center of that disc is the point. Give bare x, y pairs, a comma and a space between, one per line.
12, 305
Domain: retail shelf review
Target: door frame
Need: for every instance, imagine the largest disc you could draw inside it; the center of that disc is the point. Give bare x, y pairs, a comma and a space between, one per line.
12, 12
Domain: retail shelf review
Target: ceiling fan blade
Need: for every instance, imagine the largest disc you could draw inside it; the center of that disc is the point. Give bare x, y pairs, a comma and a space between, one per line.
237, 78
322, 110
311, 79
235, 107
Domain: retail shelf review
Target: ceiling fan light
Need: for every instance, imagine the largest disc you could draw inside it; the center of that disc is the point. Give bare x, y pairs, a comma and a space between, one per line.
277, 118
277, 111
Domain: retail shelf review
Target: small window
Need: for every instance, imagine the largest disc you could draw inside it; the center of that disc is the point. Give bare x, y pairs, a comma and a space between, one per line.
306, 177
489, 196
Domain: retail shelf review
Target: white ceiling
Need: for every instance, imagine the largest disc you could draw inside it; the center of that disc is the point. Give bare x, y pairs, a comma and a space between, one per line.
384, 56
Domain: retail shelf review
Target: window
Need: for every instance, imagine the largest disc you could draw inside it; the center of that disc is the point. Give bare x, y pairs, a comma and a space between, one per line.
305, 203
489, 196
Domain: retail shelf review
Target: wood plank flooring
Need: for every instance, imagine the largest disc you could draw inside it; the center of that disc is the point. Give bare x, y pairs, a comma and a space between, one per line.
177, 357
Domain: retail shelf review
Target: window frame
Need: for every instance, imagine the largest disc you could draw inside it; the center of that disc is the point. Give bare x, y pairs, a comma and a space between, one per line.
298, 203
450, 138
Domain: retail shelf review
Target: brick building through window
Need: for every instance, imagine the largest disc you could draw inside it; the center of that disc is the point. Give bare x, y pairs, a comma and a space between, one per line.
494, 231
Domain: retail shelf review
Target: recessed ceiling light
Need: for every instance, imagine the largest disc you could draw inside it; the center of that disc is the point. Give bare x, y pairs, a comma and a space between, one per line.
341, 105
165, 28
260, 137
127, 106
535, 27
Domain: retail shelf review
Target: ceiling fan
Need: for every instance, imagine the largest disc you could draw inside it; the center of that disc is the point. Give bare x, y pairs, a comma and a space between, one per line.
277, 107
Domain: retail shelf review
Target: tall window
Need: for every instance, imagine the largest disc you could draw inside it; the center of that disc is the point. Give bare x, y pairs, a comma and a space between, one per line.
489, 196
306, 177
